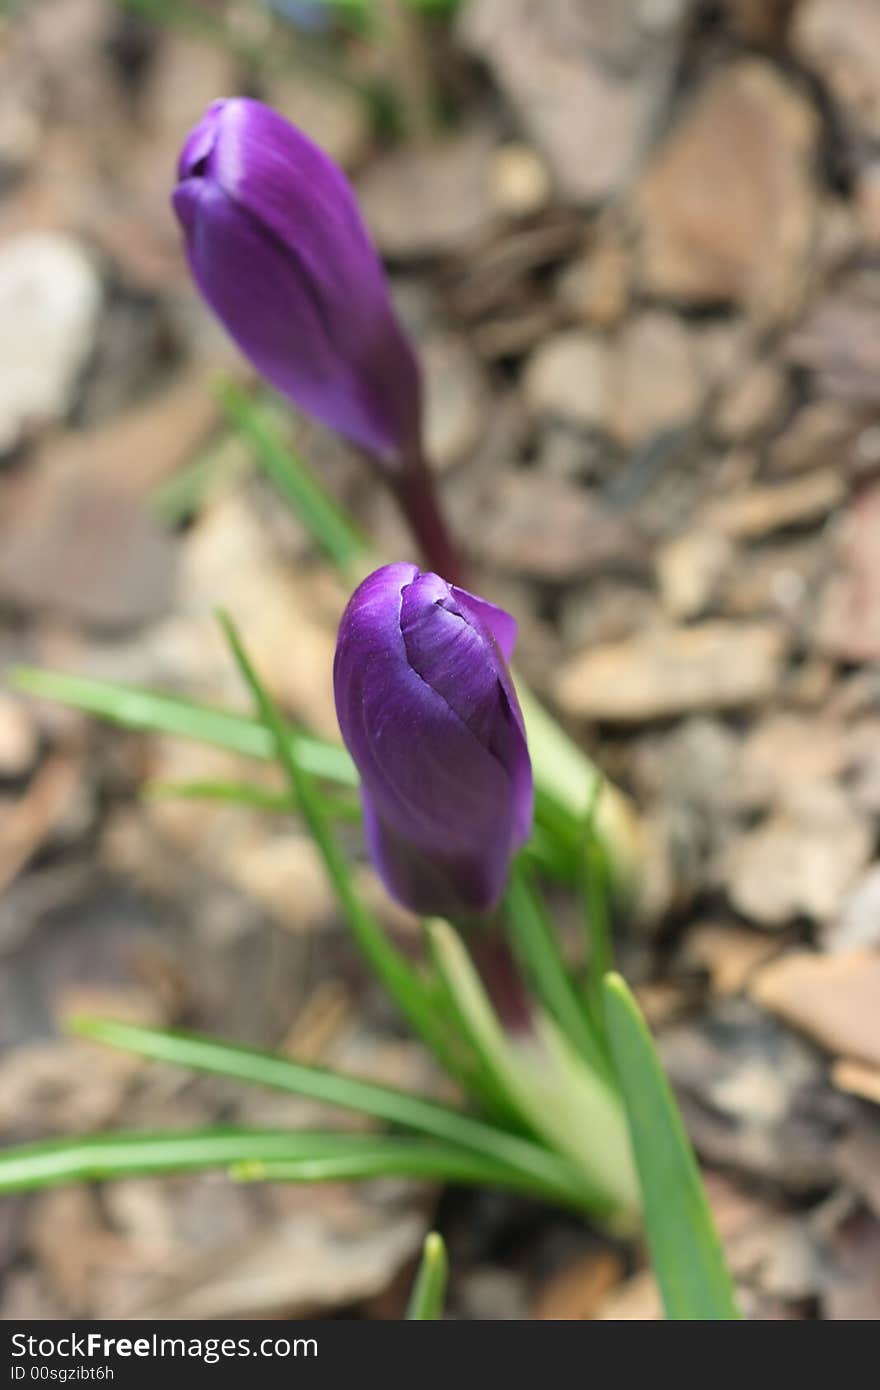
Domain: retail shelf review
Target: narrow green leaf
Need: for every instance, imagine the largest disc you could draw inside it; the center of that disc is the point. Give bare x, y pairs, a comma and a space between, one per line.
555, 1176
401, 981
685, 1249
573, 1109
495, 1102
472, 1018
546, 855
429, 1290
537, 948
336, 808
122, 1155
217, 468
294, 480
594, 881
152, 711
156, 712
360, 1156
564, 782
561, 825
236, 793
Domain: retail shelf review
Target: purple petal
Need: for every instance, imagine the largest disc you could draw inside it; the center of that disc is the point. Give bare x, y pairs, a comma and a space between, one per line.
199, 143
500, 623
422, 698
278, 248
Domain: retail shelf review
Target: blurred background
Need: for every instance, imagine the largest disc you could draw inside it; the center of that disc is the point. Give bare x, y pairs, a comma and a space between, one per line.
638, 242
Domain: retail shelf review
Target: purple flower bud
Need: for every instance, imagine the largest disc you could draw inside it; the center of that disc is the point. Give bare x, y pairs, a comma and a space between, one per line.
428, 711
278, 249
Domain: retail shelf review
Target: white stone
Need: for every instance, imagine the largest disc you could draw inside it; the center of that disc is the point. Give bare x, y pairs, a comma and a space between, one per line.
519, 181
50, 298
565, 379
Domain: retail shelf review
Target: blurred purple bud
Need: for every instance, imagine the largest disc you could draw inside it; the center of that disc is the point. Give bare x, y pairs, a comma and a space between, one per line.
429, 714
278, 248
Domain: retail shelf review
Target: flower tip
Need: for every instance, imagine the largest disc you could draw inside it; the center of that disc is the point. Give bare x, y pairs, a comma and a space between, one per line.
428, 711
199, 144
278, 249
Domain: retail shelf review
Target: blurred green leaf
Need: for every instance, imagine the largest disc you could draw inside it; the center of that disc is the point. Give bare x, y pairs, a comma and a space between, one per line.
594, 880
565, 800
123, 1155
538, 1171
236, 793
251, 1155
215, 468
537, 949
429, 1289
152, 711
337, 535
400, 979
247, 794
544, 1080
685, 1249
353, 1157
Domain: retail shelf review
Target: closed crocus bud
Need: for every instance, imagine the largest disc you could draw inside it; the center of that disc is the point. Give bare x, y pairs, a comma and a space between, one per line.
428, 711
278, 249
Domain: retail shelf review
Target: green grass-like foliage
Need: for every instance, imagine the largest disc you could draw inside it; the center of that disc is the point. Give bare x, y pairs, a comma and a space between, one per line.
685, 1249
429, 1289
512, 1139
280, 1155
462, 1148
340, 540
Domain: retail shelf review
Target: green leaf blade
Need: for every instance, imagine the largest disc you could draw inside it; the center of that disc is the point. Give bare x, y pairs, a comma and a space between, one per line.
94, 1157
405, 985
153, 711
228, 793
429, 1289
537, 949
359, 1156
293, 479
538, 1171
545, 1083
142, 710
685, 1249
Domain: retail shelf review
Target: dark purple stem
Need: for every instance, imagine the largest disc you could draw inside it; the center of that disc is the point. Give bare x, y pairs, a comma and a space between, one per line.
416, 496
502, 980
